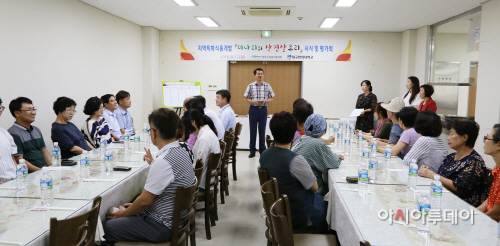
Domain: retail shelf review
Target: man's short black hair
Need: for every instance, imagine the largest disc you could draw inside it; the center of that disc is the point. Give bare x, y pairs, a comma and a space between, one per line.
121, 95
428, 90
301, 112
283, 127
202, 100
462, 127
93, 104
195, 103
62, 103
105, 98
17, 104
224, 94
407, 115
257, 69
428, 124
165, 121
297, 102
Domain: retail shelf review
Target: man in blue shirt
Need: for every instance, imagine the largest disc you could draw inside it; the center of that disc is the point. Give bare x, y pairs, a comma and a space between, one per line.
110, 106
122, 114
227, 115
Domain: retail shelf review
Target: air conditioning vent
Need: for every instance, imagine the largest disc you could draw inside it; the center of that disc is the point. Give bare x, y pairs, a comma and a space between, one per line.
266, 11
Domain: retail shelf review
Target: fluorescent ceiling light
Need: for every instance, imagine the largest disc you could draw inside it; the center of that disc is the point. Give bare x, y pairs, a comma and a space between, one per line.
185, 3
345, 3
208, 21
329, 22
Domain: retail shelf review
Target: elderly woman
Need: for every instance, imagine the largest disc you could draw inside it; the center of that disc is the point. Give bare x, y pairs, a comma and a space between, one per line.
463, 172
317, 153
427, 103
492, 147
95, 128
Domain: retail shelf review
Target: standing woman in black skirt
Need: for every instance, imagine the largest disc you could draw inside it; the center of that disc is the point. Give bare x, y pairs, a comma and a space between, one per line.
367, 101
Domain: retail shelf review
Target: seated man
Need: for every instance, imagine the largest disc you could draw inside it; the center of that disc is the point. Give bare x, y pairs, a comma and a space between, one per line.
227, 115
294, 175
123, 116
7, 150
110, 106
393, 107
149, 217
28, 138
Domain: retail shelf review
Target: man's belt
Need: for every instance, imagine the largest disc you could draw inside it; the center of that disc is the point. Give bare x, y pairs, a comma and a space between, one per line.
259, 107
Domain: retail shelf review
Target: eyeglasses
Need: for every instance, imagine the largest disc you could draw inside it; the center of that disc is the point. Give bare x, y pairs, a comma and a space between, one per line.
486, 137
2, 108
29, 110
71, 111
149, 130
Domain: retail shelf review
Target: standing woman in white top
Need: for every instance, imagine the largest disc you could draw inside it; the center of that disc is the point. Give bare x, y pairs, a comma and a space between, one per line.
412, 98
7, 150
206, 143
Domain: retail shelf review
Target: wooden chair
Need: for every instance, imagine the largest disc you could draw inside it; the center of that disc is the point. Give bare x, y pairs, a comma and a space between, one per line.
216, 189
269, 141
364, 243
224, 174
79, 230
232, 158
198, 171
263, 176
281, 221
180, 222
207, 195
270, 193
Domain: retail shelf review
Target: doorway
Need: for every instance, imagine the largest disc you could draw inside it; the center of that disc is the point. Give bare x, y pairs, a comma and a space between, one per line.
471, 112
283, 76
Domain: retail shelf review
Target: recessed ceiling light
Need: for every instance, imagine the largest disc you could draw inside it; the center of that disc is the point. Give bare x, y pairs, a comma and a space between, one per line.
344, 3
329, 22
208, 21
185, 3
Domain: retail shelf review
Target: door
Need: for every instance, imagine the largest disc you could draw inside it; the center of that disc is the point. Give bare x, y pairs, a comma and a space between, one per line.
283, 76
472, 90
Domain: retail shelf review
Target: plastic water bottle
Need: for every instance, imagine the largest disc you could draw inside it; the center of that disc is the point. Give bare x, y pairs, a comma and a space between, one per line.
373, 145
335, 134
46, 188
425, 208
373, 167
340, 138
366, 153
56, 155
363, 179
108, 160
137, 141
347, 146
387, 156
22, 176
360, 140
126, 139
102, 148
84, 166
436, 193
145, 131
330, 128
412, 175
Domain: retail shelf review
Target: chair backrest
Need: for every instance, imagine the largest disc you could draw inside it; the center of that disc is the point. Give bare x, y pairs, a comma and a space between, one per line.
282, 222
198, 170
222, 148
184, 197
263, 175
229, 140
237, 131
269, 141
79, 230
213, 163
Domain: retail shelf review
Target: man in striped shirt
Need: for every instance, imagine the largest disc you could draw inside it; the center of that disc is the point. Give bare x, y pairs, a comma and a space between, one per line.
149, 217
258, 94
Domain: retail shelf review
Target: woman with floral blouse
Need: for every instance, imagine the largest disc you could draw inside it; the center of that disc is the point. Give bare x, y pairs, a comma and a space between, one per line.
367, 101
463, 172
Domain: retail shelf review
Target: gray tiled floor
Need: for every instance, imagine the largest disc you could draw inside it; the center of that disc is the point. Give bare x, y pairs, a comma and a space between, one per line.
239, 222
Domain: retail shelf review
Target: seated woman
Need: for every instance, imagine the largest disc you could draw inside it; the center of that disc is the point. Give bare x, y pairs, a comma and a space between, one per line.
70, 139
409, 136
207, 141
492, 147
384, 126
427, 103
95, 128
317, 153
463, 172
429, 149
301, 112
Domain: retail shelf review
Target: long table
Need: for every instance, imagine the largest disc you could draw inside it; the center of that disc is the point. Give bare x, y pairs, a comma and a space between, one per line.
19, 224
356, 218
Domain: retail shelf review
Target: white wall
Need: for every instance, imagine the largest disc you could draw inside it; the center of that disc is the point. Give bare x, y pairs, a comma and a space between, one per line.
332, 87
150, 68
408, 53
54, 48
487, 99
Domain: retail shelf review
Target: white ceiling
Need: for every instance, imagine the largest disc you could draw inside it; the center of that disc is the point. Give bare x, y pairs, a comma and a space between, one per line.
365, 15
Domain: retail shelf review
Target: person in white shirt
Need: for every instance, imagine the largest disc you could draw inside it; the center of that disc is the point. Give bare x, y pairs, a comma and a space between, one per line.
213, 116
110, 105
412, 98
207, 141
227, 115
7, 150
